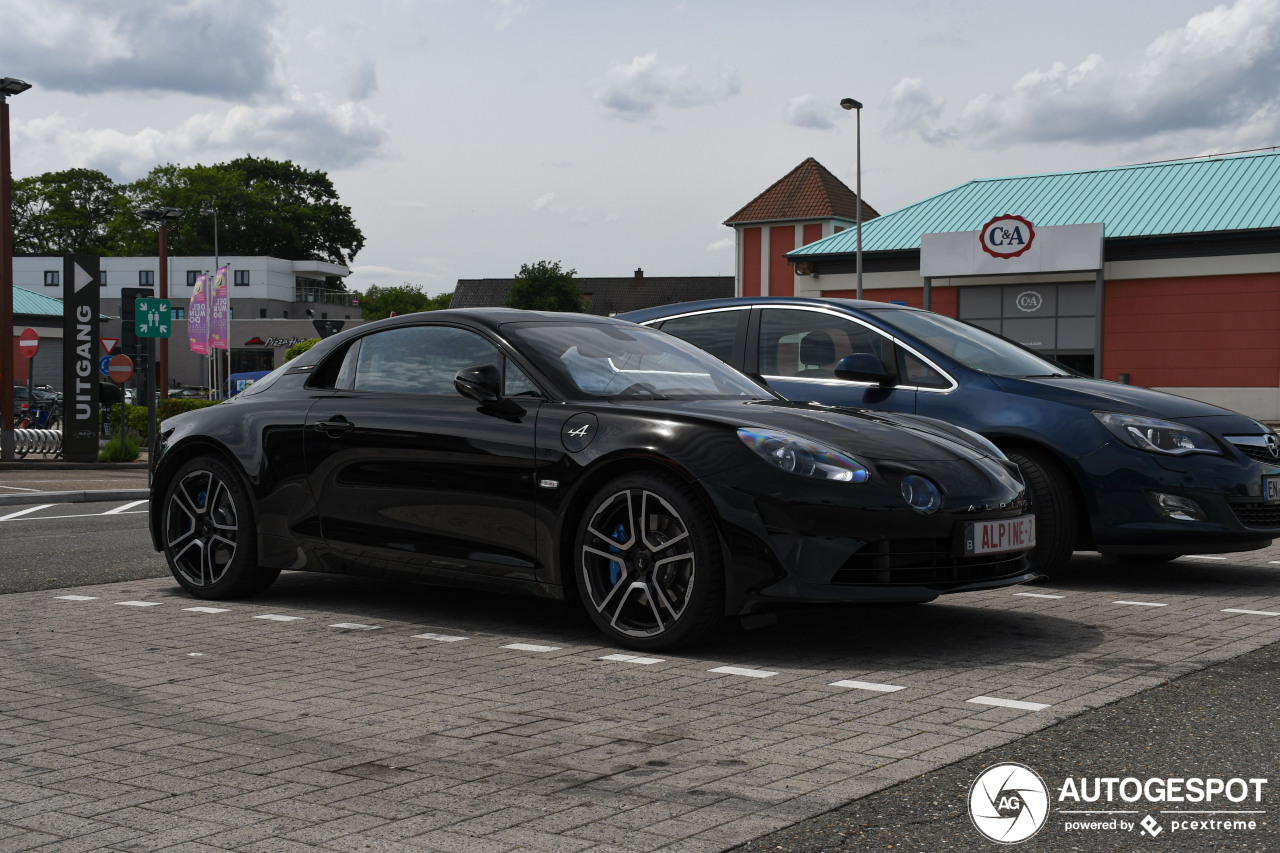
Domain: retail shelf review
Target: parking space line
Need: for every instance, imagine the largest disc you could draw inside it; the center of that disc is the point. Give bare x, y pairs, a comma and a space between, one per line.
1141, 603
29, 509
868, 685
531, 647
138, 603
440, 638
1037, 595
276, 617
355, 626
124, 507
206, 609
1008, 703
742, 670
632, 659
78, 597
1202, 557
1250, 612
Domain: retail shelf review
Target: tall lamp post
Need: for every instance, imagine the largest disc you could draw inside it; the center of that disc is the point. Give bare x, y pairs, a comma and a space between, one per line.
8, 86
851, 104
162, 216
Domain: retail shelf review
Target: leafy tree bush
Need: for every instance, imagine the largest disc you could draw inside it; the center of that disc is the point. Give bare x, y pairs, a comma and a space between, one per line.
121, 448
298, 349
545, 287
378, 302
136, 416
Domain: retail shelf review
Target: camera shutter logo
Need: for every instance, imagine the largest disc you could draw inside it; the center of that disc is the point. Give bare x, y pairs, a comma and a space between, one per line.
1009, 803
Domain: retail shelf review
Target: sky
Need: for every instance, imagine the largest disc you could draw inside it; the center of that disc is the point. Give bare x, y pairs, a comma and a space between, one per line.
472, 136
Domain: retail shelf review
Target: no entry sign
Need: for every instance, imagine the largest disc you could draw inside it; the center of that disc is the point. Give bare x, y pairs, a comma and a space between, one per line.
28, 343
120, 368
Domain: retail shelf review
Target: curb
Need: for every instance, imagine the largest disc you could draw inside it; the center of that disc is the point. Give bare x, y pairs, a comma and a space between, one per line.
40, 465
74, 497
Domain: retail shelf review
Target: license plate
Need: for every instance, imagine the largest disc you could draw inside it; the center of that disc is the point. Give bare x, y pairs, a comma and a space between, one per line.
1271, 489
1001, 535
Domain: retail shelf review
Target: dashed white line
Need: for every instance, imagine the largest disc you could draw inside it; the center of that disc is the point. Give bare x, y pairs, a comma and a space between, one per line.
742, 670
206, 610
78, 597
138, 603
1250, 612
1038, 595
1202, 557
1142, 603
868, 685
124, 507
355, 626
276, 617
530, 647
29, 509
1008, 703
632, 659
440, 638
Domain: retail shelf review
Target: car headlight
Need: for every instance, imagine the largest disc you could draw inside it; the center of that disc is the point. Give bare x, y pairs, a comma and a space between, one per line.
798, 456
1157, 436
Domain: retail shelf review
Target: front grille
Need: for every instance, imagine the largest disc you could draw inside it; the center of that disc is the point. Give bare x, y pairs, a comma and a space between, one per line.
898, 562
1260, 515
1254, 446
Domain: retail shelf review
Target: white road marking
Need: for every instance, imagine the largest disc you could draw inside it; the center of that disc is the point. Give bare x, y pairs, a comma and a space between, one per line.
355, 626
1201, 557
78, 597
206, 609
1038, 595
138, 603
530, 647
22, 512
1141, 603
79, 515
742, 670
19, 489
632, 659
1250, 612
124, 507
195, 654
1273, 562
868, 685
440, 638
275, 617
1008, 703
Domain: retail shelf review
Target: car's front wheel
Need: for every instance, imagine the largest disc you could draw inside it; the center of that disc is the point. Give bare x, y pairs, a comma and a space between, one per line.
649, 569
209, 533
1054, 508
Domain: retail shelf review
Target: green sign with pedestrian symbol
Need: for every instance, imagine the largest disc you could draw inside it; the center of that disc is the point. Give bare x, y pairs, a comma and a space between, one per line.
154, 318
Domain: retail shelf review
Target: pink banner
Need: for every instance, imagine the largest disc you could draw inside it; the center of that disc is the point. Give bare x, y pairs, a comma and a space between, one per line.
198, 316
220, 322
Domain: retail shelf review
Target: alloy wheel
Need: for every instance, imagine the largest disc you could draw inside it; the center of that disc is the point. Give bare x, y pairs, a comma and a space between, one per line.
201, 528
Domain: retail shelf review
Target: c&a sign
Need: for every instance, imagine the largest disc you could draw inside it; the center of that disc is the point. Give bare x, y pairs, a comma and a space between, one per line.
1006, 236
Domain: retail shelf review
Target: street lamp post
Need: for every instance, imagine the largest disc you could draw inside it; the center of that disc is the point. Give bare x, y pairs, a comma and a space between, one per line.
851, 104
8, 86
162, 217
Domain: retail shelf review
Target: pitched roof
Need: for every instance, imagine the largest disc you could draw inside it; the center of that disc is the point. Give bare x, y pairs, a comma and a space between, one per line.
605, 296
1203, 195
809, 191
31, 304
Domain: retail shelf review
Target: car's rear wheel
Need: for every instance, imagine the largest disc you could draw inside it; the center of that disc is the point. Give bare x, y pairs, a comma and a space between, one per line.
209, 533
1053, 506
649, 569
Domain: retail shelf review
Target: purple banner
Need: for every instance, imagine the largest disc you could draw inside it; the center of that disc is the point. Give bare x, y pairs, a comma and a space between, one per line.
198, 316
220, 322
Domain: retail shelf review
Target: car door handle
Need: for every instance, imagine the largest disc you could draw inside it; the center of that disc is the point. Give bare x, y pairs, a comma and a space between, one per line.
335, 427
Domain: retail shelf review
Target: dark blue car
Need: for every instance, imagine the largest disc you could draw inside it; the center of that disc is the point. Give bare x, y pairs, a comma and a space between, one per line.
1112, 468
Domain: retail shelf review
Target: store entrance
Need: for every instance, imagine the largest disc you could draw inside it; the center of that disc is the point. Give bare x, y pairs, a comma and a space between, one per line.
1056, 320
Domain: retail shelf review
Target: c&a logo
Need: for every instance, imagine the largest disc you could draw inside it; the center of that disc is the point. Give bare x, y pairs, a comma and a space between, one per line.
1009, 803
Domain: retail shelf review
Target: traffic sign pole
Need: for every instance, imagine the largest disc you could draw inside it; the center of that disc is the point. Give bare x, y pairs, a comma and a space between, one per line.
120, 369
29, 345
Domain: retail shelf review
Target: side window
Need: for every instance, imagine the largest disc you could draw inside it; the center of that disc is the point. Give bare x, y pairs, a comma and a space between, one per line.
418, 359
516, 382
916, 372
715, 331
810, 343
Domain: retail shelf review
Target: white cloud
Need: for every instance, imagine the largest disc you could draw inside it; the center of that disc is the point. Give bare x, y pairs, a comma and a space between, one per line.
1214, 78
807, 111
721, 245
542, 201
636, 89
504, 13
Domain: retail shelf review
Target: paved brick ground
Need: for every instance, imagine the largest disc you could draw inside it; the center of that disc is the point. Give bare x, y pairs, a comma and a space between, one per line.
126, 727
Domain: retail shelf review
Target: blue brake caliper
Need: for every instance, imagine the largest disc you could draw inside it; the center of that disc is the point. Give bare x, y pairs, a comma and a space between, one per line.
615, 568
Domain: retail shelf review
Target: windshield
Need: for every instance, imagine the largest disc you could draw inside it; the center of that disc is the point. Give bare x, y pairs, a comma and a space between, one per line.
607, 360
973, 347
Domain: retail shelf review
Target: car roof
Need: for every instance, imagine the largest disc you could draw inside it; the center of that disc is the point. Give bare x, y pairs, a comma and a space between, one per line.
660, 311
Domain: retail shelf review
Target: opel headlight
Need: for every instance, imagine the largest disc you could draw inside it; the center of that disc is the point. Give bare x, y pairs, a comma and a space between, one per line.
1157, 436
798, 456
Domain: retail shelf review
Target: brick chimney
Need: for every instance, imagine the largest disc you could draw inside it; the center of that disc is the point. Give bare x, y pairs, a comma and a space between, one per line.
639, 273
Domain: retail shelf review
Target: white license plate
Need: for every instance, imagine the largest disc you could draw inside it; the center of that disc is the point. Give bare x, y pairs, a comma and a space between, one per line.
1001, 535
1271, 489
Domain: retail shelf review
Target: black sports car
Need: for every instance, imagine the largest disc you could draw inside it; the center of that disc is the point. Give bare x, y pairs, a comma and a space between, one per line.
583, 458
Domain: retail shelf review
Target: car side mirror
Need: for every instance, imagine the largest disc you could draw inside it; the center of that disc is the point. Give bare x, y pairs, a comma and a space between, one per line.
864, 367
482, 383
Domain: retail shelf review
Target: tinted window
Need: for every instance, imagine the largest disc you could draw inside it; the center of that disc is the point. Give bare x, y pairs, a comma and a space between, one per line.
973, 347
716, 331
809, 343
418, 359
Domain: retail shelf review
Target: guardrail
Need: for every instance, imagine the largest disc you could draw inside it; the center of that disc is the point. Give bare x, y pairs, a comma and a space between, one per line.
42, 441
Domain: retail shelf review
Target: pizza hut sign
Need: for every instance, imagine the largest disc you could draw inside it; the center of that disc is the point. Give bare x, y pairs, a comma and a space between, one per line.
273, 342
1007, 236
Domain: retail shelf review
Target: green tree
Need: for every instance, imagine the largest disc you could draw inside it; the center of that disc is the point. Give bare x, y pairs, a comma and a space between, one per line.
378, 302
545, 287
64, 212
